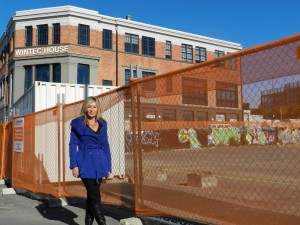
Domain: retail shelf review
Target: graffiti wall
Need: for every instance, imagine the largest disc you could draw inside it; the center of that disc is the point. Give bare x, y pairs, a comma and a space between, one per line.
218, 135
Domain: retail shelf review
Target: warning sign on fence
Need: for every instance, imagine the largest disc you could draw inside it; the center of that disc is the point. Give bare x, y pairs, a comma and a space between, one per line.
19, 135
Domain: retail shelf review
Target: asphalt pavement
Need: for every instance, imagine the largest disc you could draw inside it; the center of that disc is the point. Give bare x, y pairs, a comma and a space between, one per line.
26, 208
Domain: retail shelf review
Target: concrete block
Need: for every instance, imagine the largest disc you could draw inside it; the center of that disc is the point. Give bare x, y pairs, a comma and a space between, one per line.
209, 181
204, 179
8, 191
63, 201
131, 221
2, 181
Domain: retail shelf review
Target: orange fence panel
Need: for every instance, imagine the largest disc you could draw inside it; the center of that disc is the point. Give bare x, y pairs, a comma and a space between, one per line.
6, 150
217, 142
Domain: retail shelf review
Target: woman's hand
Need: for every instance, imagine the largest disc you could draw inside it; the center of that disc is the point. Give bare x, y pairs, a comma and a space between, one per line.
75, 172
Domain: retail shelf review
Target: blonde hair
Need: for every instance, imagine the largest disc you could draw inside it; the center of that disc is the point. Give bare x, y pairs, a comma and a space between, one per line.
87, 102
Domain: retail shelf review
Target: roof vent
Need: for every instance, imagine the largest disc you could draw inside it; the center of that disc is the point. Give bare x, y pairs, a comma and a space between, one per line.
128, 17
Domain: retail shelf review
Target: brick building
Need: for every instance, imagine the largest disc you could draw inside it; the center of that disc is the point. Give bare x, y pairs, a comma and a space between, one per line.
74, 45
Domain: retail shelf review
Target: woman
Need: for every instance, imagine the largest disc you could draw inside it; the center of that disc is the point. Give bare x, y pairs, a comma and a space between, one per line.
90, 157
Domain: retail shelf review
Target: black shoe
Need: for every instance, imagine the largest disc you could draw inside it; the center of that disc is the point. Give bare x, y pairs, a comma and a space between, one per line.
89, 218
98, 214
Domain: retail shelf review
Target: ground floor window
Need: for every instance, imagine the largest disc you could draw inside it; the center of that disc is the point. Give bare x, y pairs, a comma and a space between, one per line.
42, 73
28, 77
83, 74
57, 73
107, 82
169, 115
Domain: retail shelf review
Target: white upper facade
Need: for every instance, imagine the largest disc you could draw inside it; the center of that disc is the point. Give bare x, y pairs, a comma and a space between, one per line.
70, 15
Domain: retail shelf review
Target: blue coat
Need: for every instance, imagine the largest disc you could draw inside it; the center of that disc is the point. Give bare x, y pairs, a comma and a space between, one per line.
89, 151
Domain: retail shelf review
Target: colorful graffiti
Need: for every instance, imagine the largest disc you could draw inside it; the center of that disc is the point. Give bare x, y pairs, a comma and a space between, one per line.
190, 135
223, 135
288, 135
148, 137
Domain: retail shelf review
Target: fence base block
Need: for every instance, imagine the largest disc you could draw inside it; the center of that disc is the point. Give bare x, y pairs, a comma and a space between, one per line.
131, 221
204, 180
8, 191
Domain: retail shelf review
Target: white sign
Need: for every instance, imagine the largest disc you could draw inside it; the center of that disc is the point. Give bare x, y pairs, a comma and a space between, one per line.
220, 117
19, 134
42, 50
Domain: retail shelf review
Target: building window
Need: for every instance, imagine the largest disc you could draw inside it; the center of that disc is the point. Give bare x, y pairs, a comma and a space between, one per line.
42, 34
169, 84
200, 54
107, 82
107, 39
56, 33
128, 75
169, 115
187, 115
218, 53
148, 46
186, 53
57, 73
83, 74
28, 36
232, 117
148, 85
28, 77
131, 43
194, 91
168, 50
202, 116
42, 73
148, 114
226, 94
83, 34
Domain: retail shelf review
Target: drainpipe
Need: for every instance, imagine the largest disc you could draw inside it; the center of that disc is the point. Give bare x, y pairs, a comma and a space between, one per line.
10, 94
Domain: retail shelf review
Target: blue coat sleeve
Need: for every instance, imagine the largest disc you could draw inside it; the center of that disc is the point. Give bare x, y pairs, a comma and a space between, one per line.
107, 149
73, 148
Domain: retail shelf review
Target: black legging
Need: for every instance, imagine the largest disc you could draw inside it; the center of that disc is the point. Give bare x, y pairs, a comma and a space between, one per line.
93, 191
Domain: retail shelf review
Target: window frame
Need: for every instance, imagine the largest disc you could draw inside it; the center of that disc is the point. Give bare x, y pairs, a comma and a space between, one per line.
168, 50
56, 76
28, 79
148, 85
56, 33
186, 53
107, 39
81, 66
200, 54
219, 53
226, 94
190, 91
39, 75
107, 82
148, 46
42, 35
131, 47
28, 36
83, 34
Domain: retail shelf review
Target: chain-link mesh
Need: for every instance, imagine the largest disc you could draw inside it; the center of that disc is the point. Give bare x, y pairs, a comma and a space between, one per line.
37, 167
5, 155
217, 142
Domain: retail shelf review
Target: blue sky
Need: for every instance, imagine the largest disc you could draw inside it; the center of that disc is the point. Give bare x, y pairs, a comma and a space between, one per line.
247, 22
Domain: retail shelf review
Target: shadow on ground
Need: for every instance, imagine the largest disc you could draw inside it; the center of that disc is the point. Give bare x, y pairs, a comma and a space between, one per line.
58, 214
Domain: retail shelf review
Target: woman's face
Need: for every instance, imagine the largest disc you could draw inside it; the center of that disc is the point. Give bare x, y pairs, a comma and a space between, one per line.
92, 110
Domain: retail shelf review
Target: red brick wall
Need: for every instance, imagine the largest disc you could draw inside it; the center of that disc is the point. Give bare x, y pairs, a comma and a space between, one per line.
107, 58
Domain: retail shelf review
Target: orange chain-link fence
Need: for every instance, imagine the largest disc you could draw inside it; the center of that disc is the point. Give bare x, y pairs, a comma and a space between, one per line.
217, 142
